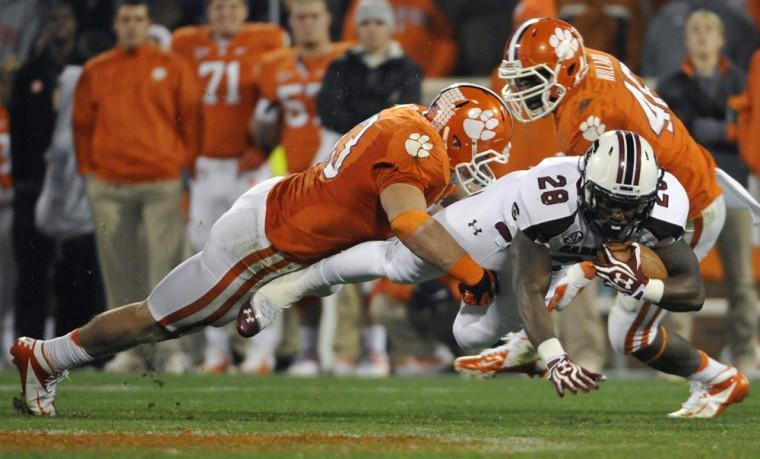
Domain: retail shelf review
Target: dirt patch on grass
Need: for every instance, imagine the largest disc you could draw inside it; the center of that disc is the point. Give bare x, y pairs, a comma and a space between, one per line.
189, 440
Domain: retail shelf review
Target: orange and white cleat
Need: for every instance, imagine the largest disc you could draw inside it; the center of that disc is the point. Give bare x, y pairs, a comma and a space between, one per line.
516, 355
38, 379
710, 400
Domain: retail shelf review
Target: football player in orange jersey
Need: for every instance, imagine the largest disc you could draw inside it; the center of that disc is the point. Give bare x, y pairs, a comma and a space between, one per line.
381, 177
224, 54
289, 80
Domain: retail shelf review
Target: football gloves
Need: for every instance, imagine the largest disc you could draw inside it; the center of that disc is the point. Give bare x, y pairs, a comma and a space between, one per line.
481, 293
567, 375
625, 277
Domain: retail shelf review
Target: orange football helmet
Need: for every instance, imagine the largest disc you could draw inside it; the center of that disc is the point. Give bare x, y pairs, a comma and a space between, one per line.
543, 59
476, 128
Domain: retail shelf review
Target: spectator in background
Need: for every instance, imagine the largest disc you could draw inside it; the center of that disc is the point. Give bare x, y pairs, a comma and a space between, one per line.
371, 76
62, 213
224, 54
20, 22
699, 94
613, 26
289, 80
32, 116
7, 264
136, 126
663, 49
424, 32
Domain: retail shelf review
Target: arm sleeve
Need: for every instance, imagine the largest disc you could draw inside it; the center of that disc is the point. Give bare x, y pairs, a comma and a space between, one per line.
333, 104
83, 123
189, 110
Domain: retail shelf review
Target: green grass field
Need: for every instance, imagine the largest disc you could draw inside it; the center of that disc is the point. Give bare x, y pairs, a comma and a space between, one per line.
235, 416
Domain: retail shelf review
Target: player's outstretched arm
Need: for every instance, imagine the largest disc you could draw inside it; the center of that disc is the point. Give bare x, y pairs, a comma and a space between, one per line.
684, 289
531, 274
405, 206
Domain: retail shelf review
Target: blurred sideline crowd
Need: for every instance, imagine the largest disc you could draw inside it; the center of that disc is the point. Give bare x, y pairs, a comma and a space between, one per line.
127, 128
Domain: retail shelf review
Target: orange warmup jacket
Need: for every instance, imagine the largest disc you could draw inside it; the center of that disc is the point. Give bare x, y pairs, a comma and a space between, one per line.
136, 116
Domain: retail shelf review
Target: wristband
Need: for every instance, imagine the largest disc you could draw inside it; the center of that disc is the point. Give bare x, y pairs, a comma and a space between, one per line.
653, 291
405, 223
466, 270
550, 349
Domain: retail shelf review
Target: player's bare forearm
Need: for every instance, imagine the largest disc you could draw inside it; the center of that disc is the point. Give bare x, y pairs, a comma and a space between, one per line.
531, 274
430, 240
434, 244
684, 288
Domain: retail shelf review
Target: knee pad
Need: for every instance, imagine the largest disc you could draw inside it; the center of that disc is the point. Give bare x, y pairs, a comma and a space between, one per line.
632, 324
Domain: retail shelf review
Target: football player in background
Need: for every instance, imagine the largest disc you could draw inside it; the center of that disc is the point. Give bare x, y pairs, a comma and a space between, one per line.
381, 177
559, 213
289, 80
224, 55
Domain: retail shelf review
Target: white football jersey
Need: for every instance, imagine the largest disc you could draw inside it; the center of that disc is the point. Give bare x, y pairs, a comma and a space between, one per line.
545, 208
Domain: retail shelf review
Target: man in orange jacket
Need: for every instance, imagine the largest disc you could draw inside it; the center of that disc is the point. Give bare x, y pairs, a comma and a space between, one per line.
136, 122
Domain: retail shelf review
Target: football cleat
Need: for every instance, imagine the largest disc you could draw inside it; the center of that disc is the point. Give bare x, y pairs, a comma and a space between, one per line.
710, 400
38, 379
516, 355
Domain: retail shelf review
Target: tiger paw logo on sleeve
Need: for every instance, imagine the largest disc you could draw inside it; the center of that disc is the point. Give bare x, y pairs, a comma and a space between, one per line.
592, 128
479, 124
418, 145
564, 43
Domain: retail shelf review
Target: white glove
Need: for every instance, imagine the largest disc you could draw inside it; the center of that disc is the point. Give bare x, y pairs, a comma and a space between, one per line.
575, 279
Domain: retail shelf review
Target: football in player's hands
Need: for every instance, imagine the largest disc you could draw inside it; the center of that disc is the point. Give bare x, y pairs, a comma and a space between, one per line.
651, 263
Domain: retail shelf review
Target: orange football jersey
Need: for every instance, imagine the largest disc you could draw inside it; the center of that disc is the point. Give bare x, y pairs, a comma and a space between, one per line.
612, 97
226, 71
292, 82
335, 205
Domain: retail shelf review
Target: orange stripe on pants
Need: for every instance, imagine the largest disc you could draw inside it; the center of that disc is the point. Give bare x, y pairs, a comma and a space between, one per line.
636, 324
239, 268
235, 297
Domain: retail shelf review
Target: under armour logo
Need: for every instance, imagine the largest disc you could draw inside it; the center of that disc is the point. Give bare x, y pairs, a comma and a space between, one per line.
475, 229
626, 284
249, 317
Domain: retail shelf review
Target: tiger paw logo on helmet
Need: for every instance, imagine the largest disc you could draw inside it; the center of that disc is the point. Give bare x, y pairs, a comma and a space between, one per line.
592, 128
564, 43
479, 124
418, 145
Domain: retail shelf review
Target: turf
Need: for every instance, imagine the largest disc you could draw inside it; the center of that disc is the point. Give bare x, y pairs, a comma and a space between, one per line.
236, 416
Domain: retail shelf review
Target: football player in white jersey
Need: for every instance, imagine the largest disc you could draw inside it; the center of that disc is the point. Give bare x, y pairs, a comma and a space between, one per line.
551, 217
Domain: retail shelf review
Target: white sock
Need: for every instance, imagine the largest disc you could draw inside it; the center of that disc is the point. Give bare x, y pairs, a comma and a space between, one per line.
374, 338
267, 340
65, 352
708, 369
217, 343
358, 264
308, 341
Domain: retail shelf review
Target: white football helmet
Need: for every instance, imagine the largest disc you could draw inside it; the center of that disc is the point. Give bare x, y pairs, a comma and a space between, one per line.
619, 183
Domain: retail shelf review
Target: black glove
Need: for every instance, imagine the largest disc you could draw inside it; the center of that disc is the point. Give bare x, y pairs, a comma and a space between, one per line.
482, 292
